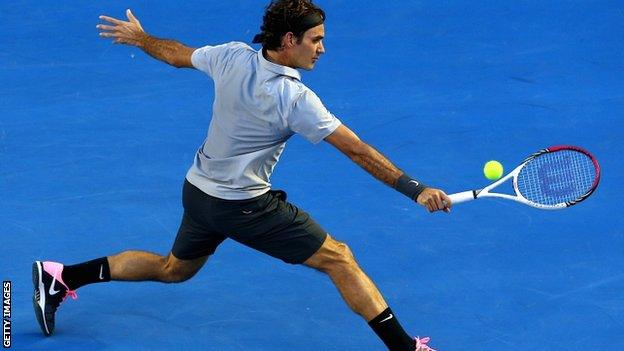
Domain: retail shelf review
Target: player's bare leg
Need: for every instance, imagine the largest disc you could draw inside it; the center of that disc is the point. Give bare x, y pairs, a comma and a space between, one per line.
142, 265
53, 282
360, 293
357, 289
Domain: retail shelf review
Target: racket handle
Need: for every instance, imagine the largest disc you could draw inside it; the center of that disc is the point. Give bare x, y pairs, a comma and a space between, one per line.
463, 196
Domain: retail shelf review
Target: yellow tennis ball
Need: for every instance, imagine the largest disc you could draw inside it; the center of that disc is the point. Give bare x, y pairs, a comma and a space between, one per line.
493, 170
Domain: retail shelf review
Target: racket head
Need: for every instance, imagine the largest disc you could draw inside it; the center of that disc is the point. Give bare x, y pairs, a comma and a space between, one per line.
557, 177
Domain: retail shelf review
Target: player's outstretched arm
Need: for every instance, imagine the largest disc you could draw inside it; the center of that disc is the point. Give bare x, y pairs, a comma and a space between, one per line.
131, 33
381, 168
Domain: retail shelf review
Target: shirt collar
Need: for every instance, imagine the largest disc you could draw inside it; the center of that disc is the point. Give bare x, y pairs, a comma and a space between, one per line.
278, 69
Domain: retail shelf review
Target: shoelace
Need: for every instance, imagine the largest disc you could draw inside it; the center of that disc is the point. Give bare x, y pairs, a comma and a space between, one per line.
56, 302
421, 344
70, 293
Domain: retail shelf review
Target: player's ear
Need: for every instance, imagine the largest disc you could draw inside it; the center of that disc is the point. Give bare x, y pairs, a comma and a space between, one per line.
289, 40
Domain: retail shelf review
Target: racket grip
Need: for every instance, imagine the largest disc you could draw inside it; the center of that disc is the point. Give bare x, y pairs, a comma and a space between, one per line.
462, 197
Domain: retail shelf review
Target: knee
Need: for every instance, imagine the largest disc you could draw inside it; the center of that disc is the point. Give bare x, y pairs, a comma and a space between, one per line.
173, 274
340, 260
344, 255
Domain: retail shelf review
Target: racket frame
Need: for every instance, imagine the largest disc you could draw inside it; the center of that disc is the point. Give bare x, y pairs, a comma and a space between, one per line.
485, 192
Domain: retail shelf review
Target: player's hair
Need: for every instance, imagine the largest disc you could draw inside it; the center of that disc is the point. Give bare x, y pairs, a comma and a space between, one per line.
283, 16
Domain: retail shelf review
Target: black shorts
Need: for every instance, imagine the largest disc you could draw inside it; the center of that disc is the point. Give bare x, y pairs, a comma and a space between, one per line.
267, 223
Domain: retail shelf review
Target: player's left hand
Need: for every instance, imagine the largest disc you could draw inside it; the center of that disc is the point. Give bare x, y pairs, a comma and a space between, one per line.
434, 200
124, 32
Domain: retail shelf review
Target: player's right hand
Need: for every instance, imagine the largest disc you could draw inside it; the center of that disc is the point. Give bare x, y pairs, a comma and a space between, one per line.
434, 200
124, 32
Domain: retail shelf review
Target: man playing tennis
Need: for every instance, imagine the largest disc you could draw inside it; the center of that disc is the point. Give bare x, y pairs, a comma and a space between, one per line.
260, 102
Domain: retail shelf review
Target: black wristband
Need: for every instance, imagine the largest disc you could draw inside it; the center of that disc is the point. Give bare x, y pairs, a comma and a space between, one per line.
409, 187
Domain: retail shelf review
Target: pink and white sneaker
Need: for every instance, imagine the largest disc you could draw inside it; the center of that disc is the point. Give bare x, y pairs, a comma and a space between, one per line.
421, 344
50, 291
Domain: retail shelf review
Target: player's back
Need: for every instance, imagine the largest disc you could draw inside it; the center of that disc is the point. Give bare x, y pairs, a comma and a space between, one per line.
249, 124
250, 107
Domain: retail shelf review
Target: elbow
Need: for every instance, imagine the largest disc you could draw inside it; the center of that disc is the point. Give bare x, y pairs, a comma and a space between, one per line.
177, 64
180, 61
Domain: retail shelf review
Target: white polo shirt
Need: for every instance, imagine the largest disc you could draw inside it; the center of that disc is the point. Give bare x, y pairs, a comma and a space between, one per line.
258, 105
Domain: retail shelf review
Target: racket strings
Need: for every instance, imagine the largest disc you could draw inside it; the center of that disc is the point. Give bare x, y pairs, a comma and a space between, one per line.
557, 177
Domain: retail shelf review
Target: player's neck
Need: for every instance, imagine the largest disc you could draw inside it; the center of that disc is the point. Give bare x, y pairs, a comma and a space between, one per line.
278, 57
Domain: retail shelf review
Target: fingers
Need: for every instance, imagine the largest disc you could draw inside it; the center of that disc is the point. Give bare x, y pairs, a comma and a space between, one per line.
429, 206
435, 200
115, 34
110, 31
112, 20
448, 203
105, 27
435, 203
131, 16
120, 38
430, 203
121, 31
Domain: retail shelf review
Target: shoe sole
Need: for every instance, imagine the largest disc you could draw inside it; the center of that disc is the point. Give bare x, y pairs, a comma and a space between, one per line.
39, 305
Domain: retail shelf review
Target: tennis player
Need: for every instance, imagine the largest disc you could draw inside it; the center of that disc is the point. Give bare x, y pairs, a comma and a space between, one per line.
260, 102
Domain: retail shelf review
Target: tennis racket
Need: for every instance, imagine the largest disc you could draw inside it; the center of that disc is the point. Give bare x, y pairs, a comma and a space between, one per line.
550, 179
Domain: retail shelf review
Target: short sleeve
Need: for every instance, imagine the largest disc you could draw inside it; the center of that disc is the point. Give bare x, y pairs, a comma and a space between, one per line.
212, 59
311, 119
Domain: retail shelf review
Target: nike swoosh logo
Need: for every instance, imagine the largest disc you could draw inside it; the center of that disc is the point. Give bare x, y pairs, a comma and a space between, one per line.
415, 182
51, 291
101, 268
387, 319
247, 212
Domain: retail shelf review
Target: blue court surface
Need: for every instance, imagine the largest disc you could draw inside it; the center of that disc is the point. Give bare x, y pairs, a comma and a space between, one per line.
95, 140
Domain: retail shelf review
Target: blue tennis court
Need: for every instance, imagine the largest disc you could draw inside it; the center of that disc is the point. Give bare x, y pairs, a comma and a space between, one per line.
95, 140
